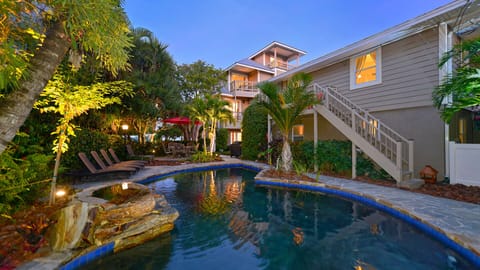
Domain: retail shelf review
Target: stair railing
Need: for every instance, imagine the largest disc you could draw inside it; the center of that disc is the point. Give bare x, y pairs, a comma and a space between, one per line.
390, 143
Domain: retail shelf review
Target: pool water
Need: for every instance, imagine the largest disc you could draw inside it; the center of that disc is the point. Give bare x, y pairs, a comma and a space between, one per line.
226, 222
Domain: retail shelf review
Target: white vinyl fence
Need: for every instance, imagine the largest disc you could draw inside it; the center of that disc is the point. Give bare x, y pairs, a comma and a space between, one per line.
465, 164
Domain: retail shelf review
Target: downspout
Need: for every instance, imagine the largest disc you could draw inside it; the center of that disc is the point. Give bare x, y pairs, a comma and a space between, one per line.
445, 44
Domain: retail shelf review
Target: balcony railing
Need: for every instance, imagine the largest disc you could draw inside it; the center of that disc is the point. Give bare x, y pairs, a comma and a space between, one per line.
238, 116
244, 88
281, 64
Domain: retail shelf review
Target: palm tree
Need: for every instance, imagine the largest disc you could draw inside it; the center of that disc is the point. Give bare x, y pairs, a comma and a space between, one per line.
197, 111
217, 111
463, 86
285, 106
156, 90
209, 110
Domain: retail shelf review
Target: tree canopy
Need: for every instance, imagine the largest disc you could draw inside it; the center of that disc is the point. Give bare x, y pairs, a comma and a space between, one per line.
37, 35
462, 88
156, 89
198, 79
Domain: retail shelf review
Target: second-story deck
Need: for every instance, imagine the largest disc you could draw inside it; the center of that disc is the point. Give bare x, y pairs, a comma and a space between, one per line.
244, 88
237, 124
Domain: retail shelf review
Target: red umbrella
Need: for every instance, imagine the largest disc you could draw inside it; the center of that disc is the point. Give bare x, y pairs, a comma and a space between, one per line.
180, 120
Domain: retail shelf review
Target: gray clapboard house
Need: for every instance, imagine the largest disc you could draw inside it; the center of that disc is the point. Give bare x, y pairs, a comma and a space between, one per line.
377, 92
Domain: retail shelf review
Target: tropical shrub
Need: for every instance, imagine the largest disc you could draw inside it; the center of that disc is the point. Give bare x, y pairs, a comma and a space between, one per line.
21, 178
254, 131
87, 140
334, 157
201, 157
222, 137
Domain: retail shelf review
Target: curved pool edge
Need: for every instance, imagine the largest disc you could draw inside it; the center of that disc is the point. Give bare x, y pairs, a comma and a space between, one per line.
379, 204
109, 248
398, 212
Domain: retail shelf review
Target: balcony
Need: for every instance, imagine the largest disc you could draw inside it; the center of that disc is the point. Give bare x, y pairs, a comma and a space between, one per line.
238, 116
244, 88
281, 65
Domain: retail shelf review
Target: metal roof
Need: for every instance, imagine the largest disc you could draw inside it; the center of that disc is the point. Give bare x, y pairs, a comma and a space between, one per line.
247, 63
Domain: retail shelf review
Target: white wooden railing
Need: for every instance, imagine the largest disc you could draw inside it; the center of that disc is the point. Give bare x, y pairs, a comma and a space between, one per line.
389, 143
238, 116
243, 86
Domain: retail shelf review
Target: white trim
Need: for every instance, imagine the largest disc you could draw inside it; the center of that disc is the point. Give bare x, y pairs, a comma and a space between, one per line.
276, 43
378, 60
445, 43
247, 66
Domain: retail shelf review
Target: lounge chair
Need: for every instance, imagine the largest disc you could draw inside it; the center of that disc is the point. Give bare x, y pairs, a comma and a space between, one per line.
132, 154
104, 166
117, 160
115, 172
131, 163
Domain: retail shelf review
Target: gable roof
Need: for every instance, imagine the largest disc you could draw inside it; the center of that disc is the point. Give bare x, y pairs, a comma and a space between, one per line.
449, 13
247, 63
285, 47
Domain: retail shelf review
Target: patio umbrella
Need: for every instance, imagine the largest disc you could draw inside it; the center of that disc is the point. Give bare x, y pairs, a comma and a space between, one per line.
180, 120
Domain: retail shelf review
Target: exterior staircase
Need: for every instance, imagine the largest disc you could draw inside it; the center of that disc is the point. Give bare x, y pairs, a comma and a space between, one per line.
382, 144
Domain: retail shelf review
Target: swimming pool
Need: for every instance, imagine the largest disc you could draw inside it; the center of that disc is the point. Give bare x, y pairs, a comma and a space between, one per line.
226, 222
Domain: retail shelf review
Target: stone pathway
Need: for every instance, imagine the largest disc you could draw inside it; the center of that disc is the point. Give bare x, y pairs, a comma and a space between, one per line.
459, 221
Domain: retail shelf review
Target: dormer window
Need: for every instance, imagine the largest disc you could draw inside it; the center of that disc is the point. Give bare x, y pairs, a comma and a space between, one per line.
366, 69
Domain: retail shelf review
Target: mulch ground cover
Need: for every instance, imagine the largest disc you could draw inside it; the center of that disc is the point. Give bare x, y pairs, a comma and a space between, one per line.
457, 192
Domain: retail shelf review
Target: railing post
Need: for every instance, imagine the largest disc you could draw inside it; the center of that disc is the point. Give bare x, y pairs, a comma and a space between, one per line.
327, 93
410, 156
399, 155
352, 111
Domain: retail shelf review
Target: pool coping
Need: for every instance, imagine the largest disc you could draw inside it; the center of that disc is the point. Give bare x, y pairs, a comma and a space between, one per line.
345, 188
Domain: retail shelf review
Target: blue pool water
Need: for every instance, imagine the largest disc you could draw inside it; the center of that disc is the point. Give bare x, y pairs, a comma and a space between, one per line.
226, 222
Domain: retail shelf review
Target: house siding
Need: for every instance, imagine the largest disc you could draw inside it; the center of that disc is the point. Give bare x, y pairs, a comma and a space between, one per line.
425, 125
409, 74
326, 131
265, 76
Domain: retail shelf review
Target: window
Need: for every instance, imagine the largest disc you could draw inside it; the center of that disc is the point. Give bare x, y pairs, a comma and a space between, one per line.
235, 136
297, 133
365, 69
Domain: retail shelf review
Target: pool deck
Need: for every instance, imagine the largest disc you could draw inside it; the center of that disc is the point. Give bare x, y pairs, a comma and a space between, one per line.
459, 221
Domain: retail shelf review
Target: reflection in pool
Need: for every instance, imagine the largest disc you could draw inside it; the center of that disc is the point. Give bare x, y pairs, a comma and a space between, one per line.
227, 223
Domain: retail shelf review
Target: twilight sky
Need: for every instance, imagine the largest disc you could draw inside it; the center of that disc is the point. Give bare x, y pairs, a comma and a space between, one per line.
221, 32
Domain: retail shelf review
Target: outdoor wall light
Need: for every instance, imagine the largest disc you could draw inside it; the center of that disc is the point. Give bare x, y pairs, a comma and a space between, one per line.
124, 185
125, 127
60, 193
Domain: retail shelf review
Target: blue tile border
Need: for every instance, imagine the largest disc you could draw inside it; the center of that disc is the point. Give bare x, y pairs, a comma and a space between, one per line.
466, 253
199, 169
88, 257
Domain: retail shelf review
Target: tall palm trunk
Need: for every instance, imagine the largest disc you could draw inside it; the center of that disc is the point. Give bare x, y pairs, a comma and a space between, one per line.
286, 155
16, 106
